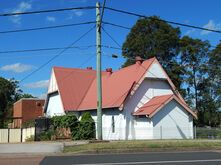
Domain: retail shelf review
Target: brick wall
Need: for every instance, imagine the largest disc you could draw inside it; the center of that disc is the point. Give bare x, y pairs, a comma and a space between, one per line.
32, 109
28, 109
17, 113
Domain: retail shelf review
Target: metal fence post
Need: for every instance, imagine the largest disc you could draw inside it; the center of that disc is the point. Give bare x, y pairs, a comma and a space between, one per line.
21, 134
195, 132
8, 135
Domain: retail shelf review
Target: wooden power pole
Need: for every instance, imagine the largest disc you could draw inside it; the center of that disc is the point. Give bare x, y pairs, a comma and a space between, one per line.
99, 83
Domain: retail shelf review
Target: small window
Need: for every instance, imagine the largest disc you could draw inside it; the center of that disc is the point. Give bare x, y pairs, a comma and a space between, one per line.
113, 125
38, 104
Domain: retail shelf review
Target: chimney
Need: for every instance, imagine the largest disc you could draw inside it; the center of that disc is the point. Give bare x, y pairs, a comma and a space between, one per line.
139, 60
89, 68
109, 70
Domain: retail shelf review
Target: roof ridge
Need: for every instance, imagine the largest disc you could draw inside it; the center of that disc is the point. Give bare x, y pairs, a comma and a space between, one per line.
68, 68
152, 58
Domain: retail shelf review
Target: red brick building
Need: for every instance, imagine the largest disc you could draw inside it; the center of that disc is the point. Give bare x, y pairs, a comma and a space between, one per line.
27, 109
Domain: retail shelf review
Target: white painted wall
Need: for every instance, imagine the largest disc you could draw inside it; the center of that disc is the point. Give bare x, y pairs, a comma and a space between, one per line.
52, 83
141, 128
155, 71
172, 122
119, 122
54, 107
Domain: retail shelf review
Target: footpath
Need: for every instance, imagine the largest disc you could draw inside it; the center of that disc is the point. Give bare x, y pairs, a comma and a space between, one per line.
36, 147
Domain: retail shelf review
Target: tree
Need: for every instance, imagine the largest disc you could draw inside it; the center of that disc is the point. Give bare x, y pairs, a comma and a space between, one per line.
9, 93
25, 95
208, 113
214, 71
214, 92
194, 56
151, 37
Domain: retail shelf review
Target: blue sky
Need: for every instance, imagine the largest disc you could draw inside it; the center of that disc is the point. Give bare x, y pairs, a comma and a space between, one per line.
200, 13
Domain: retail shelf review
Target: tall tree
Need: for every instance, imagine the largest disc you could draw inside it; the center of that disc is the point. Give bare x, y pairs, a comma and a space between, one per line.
208, 113
9, 93
151, 37
214, 70
25, 95
194, 56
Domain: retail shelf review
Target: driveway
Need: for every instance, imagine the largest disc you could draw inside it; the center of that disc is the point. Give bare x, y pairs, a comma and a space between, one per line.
30, 148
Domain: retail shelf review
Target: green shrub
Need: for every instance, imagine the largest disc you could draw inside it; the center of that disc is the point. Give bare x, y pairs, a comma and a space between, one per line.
47, 135
65, 121
85, 129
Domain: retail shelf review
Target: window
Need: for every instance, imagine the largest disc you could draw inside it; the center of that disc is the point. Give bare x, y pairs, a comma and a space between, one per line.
113, 125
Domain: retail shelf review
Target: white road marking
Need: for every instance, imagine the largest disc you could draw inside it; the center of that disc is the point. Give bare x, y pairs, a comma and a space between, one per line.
158, 162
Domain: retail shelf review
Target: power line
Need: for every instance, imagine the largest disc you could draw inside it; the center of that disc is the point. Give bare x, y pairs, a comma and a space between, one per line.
60, 26
111, 47
109, 8
57, 48
47, 49
40, 55
102, 12
57, 55
47, 27
116, 25
111, 37
47, 11
170, 22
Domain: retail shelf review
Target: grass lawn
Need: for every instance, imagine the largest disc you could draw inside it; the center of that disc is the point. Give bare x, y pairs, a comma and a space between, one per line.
147, 145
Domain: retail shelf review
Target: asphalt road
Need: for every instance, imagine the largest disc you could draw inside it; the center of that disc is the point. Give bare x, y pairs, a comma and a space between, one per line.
181, 158
163, 158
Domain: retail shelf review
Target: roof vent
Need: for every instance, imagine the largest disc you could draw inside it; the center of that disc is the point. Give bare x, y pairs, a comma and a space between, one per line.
89, 68
139, 60
109, 70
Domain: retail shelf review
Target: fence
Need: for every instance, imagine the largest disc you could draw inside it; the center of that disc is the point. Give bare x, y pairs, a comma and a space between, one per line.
140, 132
162, 132
16, 135
207, 133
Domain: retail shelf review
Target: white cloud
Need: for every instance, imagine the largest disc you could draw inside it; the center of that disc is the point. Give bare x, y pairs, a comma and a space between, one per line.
50, 19
78, 13
42, 96
210, 25
22, 7
188, 32
38, 84
17, 68
74, 13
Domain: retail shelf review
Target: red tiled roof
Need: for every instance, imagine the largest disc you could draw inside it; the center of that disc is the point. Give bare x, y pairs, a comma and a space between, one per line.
157, 103
78, 87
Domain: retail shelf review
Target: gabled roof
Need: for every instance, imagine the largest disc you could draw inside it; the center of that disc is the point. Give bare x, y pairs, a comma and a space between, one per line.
73, 85
78, 87
157, 103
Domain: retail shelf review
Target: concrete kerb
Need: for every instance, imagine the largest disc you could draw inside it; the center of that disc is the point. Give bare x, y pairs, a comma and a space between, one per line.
75, 143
